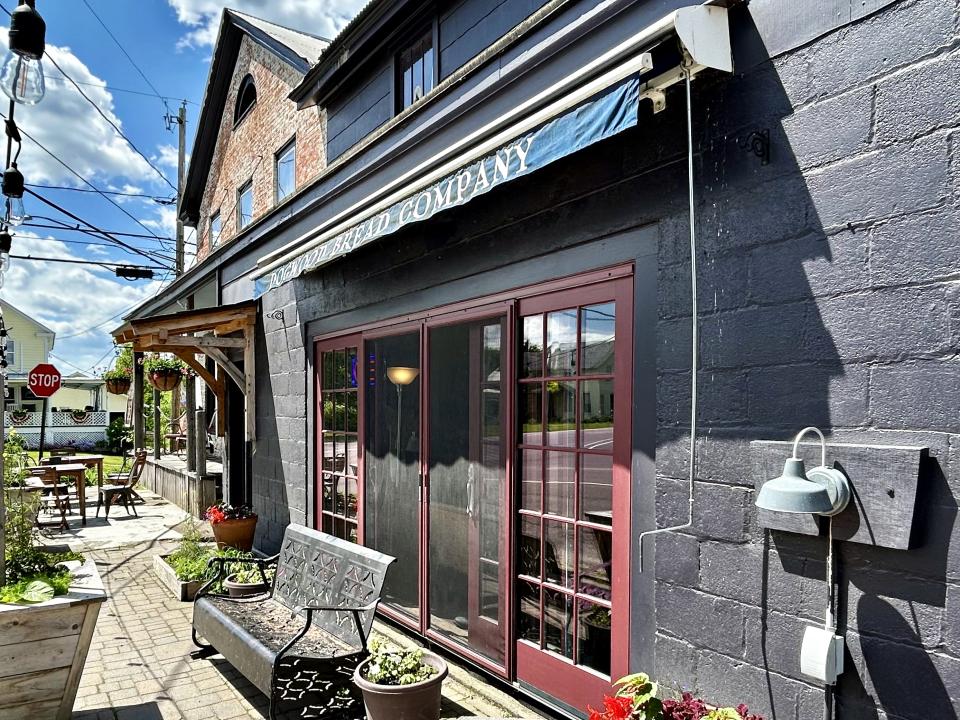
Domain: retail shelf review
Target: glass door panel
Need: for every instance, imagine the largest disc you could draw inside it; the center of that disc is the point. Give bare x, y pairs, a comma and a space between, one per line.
337, 460
467, 485
392, 462
566, 468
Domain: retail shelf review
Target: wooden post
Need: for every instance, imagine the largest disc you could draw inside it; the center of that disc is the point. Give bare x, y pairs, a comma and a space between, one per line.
191, 410
43, 428
200, 443
157, 437
139, 426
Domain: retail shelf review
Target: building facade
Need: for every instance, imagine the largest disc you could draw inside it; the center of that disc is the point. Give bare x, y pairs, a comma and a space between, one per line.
474, 346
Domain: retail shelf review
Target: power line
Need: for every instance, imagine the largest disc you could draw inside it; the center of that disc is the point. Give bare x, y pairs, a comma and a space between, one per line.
82, 179
64, 360
72, 261
122, 312
144, 196
111, 88
73, 228
94, 244
69, 214
127, 55
111, 123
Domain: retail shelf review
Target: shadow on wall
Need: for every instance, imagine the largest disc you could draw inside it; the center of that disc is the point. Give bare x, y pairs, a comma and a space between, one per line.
787, 334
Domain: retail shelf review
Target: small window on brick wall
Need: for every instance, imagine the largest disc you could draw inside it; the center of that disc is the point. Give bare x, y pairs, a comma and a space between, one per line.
286, 170
245, 205
415, 71
215, 229
246, 98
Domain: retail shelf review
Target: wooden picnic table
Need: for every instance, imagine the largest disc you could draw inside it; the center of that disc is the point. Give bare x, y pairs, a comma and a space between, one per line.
87, 461
78, 472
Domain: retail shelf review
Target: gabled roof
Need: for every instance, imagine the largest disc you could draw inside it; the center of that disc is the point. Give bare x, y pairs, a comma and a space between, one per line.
300, 50
43, 329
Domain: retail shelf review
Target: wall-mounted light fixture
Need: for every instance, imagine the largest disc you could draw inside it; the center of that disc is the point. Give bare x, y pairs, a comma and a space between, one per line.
822, 491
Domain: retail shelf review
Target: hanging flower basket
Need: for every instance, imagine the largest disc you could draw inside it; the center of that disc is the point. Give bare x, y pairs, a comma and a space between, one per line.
163, 371
165, 380
118, 386
79, 416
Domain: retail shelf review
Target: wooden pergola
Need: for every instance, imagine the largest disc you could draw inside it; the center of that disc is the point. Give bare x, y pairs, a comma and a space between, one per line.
213, 333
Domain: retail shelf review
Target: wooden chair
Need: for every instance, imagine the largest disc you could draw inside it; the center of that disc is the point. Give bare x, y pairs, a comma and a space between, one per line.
122, 487
54, 495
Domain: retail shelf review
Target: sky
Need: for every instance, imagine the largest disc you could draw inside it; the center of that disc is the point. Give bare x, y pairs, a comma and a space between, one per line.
169, 44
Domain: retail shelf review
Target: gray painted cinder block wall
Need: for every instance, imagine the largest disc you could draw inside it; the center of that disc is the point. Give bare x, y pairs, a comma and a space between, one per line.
829, 296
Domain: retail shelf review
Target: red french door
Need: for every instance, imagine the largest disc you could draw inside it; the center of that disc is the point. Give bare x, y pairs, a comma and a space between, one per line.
487, 448
573, 466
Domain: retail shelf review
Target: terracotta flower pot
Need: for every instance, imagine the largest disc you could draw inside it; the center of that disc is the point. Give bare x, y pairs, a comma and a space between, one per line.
243, 589
118, 386
235, 533
419, 701
164, 380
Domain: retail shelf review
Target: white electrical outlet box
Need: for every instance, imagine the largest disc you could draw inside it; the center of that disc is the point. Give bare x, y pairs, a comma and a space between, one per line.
821, 655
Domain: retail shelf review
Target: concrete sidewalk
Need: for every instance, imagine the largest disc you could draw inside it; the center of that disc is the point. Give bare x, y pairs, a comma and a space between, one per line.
139, 666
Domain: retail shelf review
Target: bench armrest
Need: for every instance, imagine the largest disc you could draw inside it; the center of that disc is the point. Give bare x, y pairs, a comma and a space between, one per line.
354, 610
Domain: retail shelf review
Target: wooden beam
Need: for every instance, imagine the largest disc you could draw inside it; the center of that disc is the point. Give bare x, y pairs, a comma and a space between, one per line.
249, 387
213, 383
227, 364
205, 341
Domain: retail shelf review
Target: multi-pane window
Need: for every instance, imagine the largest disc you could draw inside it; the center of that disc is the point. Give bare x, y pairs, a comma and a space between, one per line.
566, 406
338, 442
246, 99
416, 72
286, 164
245, 205
215, 229
11, 353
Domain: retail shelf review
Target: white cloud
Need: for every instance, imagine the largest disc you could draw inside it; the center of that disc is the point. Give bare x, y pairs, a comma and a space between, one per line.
167, 156
317, 17
70, 128
70, 298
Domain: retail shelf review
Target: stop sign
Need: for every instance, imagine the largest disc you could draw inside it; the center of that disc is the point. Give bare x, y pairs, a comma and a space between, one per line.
44, 380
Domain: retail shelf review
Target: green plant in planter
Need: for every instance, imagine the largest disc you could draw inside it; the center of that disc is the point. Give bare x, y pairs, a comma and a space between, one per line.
117, 373
250, 574
32, 575
163, 365
396, 667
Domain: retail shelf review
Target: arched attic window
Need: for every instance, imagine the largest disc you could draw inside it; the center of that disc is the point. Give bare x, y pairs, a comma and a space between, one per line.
246, 98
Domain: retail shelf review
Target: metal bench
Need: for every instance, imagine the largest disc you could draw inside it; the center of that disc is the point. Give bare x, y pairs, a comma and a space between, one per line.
300, 643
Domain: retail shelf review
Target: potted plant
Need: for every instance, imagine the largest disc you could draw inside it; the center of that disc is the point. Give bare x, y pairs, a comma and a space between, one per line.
117, 380
400, 683
49, 604
163, 371
233, 525
636, 699
248, 580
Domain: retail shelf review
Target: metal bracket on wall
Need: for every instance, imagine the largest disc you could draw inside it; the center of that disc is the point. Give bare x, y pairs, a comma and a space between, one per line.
275, 315
657, 97
885, 481
757, 142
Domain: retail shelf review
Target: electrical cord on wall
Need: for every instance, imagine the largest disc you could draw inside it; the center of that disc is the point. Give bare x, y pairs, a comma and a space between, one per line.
830, 621
694, 334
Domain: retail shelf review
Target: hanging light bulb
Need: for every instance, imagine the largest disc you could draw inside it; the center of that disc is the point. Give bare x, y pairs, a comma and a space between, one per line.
21, 77
6, 243
13, 188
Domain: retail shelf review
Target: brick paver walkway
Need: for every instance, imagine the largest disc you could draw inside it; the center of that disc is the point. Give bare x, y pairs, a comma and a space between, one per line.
139, 666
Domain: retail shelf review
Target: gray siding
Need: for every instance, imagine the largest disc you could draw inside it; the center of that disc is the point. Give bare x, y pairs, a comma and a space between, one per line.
829, 297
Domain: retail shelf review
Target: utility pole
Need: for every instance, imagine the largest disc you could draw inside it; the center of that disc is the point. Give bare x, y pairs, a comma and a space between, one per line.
181, 121
181, 171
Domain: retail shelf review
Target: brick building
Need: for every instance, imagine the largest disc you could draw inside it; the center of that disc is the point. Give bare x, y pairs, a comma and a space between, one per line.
474, 353
254, 150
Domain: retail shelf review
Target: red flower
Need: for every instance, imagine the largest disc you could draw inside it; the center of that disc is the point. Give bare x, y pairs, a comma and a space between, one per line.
617, 708
215, 515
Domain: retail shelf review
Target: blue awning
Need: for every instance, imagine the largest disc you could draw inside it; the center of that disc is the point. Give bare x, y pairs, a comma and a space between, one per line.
607, 114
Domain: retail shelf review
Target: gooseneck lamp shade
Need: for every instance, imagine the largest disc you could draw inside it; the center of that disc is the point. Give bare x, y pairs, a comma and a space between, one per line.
399, 375
21, 77
822, 491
